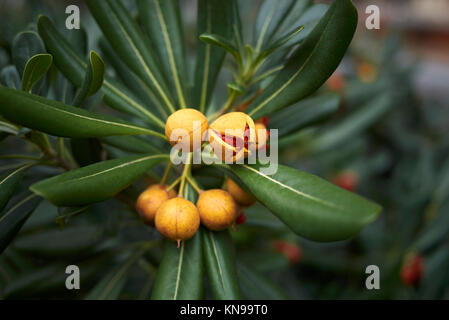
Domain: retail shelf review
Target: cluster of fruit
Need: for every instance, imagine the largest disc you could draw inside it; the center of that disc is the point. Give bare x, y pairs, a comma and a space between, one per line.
177, 218
232, 136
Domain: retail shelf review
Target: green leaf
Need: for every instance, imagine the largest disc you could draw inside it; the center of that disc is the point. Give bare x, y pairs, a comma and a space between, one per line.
180, 274
269, 18
221, 269
131, 80
256, 286
162, 22
8, 127
214, 16
10, 77
292, 18
93, 79
237, 28
280, 42
36, 68
305, 113
310, 206
13, 219
74, 68
58, 243
232, 86
352, 125
111, 285
131, 144
58, 119
312, 62
96, 182
25, 45
130, 44
9, 183
222, 42
86, 151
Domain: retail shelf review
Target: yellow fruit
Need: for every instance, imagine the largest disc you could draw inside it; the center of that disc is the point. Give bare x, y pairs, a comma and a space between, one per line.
177, 219
232, 136
185, 125
151, 199
217, 209
240, 196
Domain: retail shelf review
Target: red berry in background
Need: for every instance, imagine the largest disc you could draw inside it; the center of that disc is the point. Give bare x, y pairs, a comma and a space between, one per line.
412, 270
292, 251
336, 81
347, 180
241, 219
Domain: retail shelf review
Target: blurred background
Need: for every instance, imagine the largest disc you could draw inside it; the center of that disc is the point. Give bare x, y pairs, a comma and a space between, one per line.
387, 139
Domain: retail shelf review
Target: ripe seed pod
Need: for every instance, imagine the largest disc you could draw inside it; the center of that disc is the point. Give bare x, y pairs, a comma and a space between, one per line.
217, 209
177, 219
151, 199
240, 196
232, 136
412, 270
292, 251
347, 180
185, 125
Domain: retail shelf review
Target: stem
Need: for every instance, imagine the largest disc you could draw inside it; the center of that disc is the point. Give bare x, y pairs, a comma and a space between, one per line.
173, 184
185, 172
167, 170
194, 184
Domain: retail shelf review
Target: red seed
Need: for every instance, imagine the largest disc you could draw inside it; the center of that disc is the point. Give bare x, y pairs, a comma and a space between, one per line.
241, 219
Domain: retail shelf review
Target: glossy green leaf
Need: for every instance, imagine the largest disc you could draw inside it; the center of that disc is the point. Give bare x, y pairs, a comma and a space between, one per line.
96, 182
292, 18
9, 183
214, 16
74, 67
310, 206
10, 77
13, 219
257, 286
131, 144
93, 79
180, 274
130, 44
25, 45
269, 18
312, 62
162, 22
111, 285
219, 257
281, 41
58, 119
131, 80
57, 243
305, 113
36, 68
